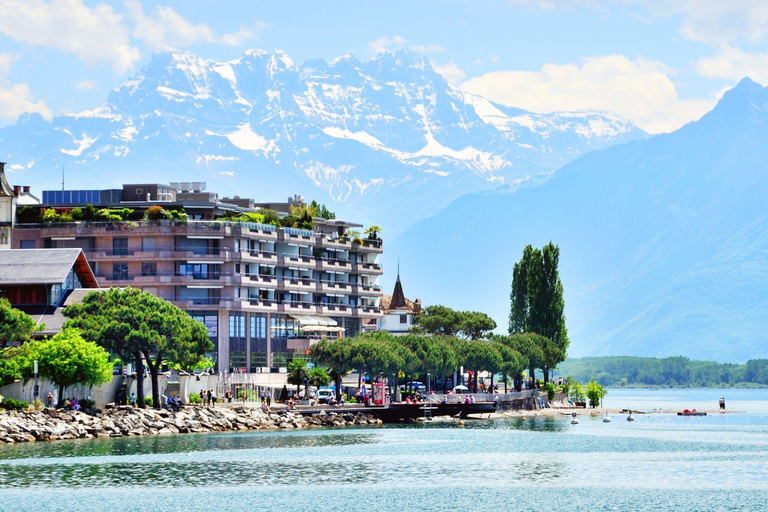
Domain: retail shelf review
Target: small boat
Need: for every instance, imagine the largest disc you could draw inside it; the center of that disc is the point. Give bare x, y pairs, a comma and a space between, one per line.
686, 412
606, 418
574, 421
630, 418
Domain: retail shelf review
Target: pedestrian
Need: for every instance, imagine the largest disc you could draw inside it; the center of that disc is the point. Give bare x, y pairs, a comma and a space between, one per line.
269, 398
244, 395
133, 400
49, 399
722, 403
209, 398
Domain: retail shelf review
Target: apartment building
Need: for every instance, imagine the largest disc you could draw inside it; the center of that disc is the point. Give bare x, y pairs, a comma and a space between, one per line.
265, 293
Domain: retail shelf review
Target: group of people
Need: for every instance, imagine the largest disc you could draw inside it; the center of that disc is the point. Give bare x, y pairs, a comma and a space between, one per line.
207, 398
72, 404
173, 402
722, 403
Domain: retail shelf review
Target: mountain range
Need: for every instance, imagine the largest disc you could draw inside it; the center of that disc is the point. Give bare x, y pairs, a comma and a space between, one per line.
385, 135
664, 241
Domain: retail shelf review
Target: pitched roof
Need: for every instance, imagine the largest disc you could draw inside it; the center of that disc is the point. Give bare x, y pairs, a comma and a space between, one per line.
398, 297
44, 266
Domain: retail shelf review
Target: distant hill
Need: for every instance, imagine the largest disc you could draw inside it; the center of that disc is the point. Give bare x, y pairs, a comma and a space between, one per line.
664, 241
388, 140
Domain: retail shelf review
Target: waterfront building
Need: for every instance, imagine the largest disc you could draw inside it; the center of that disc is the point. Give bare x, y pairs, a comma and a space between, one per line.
41, 282
265, 293
398, 313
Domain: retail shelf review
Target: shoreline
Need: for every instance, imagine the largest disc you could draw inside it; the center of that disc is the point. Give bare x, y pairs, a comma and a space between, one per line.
55, 425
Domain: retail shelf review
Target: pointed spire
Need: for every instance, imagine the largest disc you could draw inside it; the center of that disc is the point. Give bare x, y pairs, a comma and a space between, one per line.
398, 297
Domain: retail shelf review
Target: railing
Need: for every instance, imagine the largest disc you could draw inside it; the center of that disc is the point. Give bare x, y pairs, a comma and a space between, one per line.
202, 301
367, 287
304, 281
264, 277
255, 226
210, 277
337, 284
261, 254
298, 232
214, 251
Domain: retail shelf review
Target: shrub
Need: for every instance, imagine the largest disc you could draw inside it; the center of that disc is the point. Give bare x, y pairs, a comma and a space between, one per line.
148, 401
270, 216
595, 393
87, 403
156, 212
9, 404
49, 215
194, 398
550, 390
27, 214
77, 213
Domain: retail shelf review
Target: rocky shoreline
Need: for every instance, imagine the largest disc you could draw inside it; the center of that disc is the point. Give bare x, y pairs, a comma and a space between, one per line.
53, 425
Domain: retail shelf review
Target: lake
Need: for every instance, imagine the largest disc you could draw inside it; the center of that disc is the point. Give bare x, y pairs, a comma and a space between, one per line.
659, 461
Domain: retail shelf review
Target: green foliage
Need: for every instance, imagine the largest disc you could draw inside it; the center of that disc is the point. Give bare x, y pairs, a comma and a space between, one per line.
67, 359
595, 393
10, 370
577, 391
9, 404
87, 403
550, 389
536, 301
319, 377
442, 320
155, 212
270, 216
130, 322
149, 401
667, 372
298, 373
194, 398
15, 326
373, 232
49, 215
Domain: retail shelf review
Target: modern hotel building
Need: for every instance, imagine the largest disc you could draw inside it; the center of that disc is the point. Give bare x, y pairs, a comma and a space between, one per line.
265, 293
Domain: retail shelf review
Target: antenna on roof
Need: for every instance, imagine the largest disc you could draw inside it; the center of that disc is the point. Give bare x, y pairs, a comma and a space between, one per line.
63, 167
398, 269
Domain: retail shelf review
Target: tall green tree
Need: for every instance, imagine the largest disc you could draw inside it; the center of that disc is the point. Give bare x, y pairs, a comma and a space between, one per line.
439, 320
537, 304
67, 359
336, 355
298, 374
16, 326
141, 327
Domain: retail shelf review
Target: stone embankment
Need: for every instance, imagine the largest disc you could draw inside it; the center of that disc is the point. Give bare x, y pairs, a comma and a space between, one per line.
51, 425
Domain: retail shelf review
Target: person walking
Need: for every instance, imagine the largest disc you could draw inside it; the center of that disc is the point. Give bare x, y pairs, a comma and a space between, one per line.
208, 398
722, 404
49, 399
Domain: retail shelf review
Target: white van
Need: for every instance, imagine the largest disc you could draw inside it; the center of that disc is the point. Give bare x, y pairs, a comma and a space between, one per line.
324, 395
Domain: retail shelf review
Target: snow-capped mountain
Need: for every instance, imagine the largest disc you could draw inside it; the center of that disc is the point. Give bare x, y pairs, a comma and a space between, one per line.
664, 241
377, 136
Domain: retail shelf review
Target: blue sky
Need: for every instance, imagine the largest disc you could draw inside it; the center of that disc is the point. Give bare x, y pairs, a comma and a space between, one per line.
658, 63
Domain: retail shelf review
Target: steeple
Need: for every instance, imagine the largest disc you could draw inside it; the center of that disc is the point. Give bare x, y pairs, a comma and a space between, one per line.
398, 297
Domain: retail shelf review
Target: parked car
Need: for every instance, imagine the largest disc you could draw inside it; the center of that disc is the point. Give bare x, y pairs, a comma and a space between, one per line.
417, 387
324, 395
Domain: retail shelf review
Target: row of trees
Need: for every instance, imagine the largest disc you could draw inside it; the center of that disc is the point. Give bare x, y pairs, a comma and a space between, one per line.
440, 355
135, 326
669, 371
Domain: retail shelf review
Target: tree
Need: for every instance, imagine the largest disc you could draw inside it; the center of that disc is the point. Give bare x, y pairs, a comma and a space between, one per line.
536, 301
475, 325
298, 374
373, 232
439, 320
336, 355
595, 393
319, 377
138, 326
67, 359
16, 326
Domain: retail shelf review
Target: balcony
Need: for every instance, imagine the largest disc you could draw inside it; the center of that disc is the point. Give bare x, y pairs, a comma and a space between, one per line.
202, 302
261, 231
334, 286
370, 246
260, 304
259, 256
373, 290
159, 278
299, 283
299, 307
367, 268
297, 260
333, 243
293, 234
329, 263
261, 279
368, 311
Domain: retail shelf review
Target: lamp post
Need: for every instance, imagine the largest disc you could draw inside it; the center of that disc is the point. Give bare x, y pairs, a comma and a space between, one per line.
37, 385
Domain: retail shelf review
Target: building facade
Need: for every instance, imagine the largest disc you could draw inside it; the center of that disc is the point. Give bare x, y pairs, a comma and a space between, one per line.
265, 293
398, 313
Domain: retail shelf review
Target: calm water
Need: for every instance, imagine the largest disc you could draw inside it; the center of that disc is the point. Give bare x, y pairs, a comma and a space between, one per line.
659, 462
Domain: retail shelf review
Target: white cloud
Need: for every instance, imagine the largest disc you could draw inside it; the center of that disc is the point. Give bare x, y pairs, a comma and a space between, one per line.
639, 90
385, 43
452, 73
494, 59
707, 21
15, 99
86, 85
734, 64
93, 34
429, 48
164, 28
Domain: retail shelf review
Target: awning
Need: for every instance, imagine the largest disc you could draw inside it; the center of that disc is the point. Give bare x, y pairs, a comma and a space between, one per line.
306, 320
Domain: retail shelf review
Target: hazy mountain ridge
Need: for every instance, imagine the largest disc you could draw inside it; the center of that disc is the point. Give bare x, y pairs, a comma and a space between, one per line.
390, 131
664, 242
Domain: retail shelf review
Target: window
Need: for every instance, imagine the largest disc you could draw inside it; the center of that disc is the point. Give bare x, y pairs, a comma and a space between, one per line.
120, 246
139, 191
27, 244
237, 325
149, 269
119, 271
403, 319
149, 244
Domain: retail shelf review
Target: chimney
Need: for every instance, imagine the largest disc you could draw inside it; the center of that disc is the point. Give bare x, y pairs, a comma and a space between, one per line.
17, 190
26, 189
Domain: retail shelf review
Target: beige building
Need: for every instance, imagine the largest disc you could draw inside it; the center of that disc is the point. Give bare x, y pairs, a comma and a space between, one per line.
265, 293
